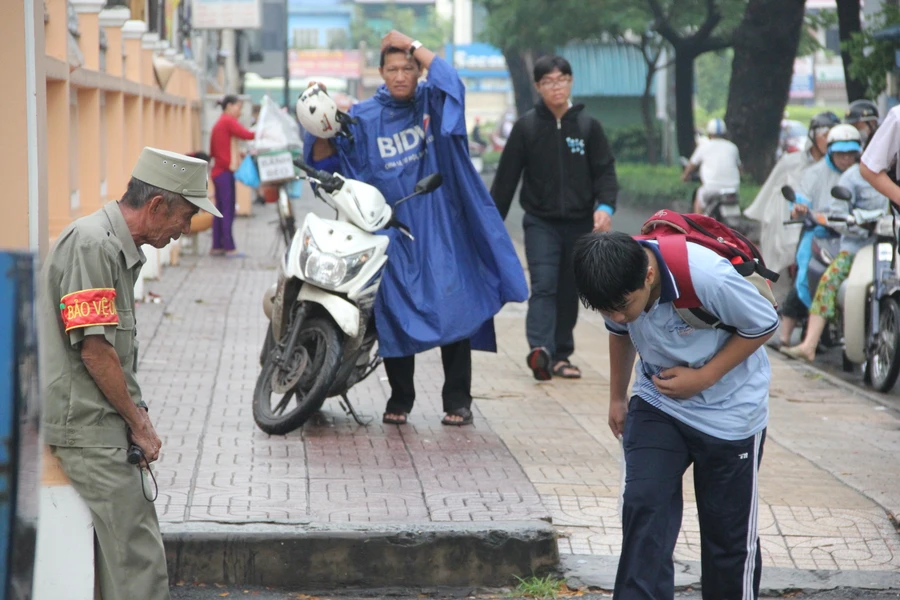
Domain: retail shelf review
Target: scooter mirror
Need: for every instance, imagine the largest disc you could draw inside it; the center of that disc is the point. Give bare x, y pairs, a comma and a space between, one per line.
429, 184
788, 193
841, 193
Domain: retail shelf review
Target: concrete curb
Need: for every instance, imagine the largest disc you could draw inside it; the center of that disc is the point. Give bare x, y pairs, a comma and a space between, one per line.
600, 572
332, 555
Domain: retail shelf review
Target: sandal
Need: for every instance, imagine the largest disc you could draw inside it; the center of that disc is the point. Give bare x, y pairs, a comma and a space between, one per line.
398, 418
566, 370
539, 363
465, 413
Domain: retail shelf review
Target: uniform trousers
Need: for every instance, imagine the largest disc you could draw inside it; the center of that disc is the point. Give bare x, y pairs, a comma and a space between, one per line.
129, 553
658, 451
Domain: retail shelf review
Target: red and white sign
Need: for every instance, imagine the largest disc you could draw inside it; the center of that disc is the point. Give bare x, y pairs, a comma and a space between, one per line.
325, 63
226, 14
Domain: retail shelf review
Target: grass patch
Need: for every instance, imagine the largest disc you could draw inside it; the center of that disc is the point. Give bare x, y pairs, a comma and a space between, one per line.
540, 587
659, 186
492, 157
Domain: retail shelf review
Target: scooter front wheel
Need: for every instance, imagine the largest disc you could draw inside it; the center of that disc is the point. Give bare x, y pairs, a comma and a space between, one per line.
304, 378
883, 364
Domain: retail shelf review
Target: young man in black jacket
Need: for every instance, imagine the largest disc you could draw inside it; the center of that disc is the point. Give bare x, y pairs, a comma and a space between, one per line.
569, 190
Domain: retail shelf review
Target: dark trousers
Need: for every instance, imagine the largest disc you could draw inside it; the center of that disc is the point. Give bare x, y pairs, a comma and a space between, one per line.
658, 450
221, 229
457, 391
553, 305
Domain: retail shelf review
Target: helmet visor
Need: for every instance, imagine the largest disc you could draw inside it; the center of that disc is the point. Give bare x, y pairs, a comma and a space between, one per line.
845, 146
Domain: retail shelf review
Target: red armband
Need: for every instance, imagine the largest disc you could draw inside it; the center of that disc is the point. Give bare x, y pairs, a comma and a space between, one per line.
89, 308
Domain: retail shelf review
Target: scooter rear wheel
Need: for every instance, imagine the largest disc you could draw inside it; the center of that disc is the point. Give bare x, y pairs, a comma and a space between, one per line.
317, 357
883, 364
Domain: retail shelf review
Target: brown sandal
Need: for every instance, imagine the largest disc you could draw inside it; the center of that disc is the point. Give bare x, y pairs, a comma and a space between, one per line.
464, 413
395, 418
566, 370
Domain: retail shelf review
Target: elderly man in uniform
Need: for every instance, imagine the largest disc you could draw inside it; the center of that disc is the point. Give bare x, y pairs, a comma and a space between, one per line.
94, 411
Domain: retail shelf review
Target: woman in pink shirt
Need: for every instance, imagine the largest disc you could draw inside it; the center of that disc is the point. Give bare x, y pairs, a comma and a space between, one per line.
226, 128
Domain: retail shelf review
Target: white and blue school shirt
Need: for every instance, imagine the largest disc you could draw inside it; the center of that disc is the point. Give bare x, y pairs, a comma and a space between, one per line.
735, 407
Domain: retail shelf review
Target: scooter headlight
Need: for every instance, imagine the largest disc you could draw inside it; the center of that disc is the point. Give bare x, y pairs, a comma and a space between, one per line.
327, 270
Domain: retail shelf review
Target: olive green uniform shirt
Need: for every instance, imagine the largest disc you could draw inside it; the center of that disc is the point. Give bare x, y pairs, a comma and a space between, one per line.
87, 285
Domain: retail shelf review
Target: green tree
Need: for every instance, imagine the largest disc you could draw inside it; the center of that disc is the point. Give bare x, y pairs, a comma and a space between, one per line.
526, 29
431, 29
871, 59
713, 72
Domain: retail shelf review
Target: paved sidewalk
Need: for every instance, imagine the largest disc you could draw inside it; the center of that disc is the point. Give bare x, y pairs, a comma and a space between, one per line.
538, 451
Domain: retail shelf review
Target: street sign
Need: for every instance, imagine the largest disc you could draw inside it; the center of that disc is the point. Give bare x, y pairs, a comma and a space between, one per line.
275, 167
226, 14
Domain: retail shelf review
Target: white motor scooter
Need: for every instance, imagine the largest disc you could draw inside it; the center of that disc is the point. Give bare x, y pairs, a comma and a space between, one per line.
867, 301
321, 335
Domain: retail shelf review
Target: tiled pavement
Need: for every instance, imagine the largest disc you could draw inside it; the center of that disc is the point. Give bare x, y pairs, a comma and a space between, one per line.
537, 451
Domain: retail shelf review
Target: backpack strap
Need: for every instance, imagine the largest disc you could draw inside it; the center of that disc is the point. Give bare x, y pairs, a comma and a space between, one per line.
674, 251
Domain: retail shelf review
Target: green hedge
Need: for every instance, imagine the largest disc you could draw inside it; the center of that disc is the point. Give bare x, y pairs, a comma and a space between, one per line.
661, 186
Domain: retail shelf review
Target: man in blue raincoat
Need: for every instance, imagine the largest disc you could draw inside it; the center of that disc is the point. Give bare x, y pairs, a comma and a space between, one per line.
443, 288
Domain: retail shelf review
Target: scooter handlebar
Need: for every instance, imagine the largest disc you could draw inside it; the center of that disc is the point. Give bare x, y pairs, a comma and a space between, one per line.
329, 182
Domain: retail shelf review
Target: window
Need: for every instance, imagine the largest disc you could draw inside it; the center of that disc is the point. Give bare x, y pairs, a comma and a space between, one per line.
833, 40
336, 39
273, 30
306, 38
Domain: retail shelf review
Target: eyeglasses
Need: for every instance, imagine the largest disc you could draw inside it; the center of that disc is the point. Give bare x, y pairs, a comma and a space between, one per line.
555, 83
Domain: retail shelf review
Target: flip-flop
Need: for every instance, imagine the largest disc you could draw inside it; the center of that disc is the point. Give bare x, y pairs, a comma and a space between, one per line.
465, 413
795, 353
399, 418
235, 255
539, 363
560, 370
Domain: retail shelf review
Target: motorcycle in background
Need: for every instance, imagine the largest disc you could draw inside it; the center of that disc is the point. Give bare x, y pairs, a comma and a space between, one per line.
823, 251
722, 205
867, 323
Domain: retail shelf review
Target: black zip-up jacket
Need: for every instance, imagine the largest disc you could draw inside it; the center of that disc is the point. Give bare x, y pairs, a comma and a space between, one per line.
569, 168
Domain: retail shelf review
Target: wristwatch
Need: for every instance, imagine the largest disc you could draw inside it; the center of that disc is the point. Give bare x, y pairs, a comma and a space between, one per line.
415, 45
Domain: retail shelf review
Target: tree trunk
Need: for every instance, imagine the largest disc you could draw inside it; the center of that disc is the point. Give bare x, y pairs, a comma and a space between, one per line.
684, 100
849, 23
765, 44
648, 117
522, 80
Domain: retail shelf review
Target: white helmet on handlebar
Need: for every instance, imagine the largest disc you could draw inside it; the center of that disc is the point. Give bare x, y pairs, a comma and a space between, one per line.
318, 113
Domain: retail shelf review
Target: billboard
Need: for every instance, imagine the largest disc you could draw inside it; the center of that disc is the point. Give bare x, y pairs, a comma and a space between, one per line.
803, 80
346, 64
226, 14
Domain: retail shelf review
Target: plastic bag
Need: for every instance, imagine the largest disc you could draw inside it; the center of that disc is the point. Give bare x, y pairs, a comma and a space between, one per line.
247, 173
276, 129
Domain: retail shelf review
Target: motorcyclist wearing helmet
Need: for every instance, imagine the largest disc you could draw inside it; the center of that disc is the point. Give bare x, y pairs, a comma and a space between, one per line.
880, 165
778, 243
719, 162
865, 203
863, 114
814, 194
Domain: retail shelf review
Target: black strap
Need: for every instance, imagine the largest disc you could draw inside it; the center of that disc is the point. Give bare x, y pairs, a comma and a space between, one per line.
711, 320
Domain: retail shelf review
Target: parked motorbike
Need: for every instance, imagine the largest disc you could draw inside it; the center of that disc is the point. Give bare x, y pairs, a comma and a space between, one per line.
321, 338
